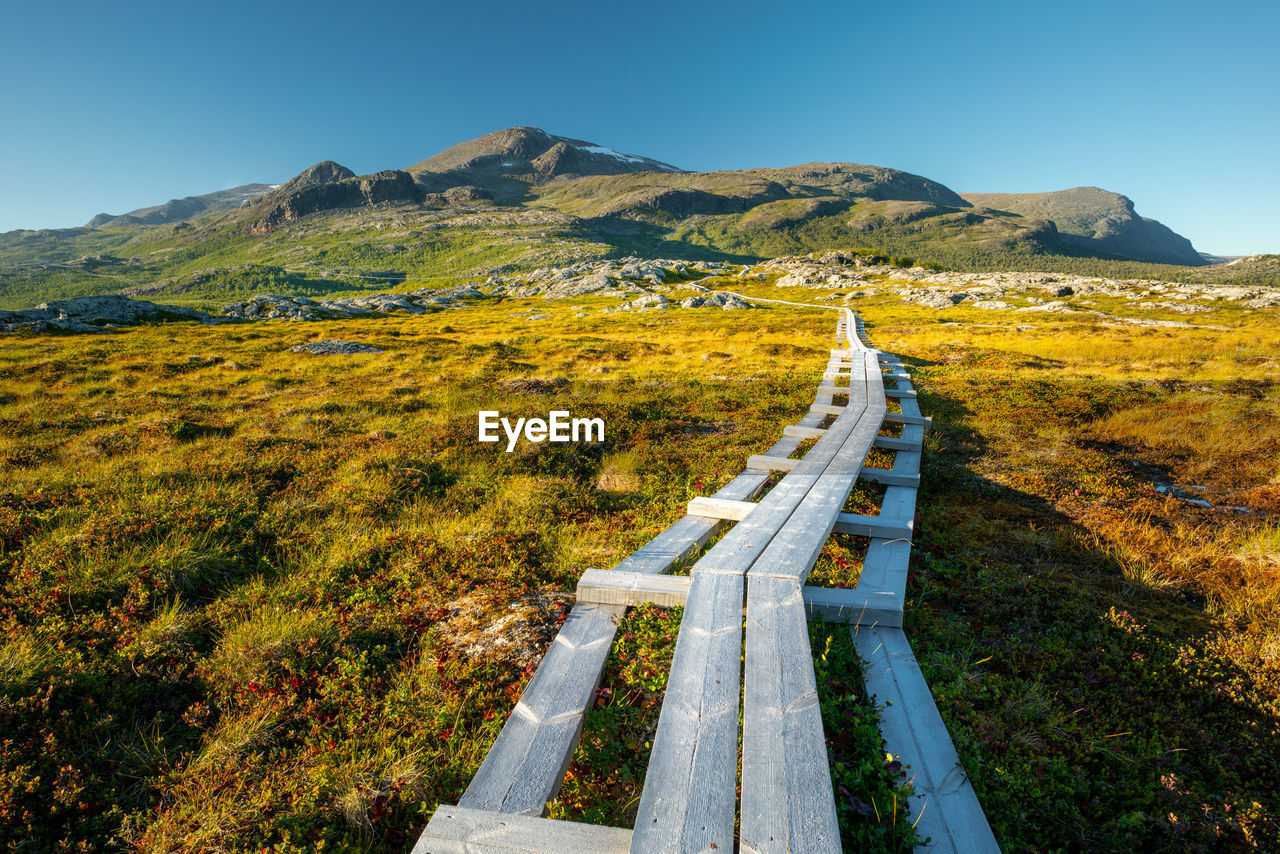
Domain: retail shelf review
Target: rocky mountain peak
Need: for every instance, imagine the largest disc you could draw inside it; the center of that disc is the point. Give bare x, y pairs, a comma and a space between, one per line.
524, 150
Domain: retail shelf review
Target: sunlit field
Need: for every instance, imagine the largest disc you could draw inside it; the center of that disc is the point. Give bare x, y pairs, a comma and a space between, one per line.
257, 599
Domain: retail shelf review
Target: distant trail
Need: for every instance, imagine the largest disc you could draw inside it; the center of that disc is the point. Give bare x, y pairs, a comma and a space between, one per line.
689, 801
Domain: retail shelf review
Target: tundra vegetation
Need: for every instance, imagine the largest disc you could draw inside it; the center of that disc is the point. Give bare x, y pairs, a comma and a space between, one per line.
259, 599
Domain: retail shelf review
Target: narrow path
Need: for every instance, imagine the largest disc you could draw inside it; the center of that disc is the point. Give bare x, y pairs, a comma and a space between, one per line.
690, 798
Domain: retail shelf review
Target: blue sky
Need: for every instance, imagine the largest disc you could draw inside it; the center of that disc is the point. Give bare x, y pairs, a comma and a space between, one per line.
109, 107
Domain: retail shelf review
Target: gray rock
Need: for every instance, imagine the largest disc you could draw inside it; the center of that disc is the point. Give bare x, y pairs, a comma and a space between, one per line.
716, 299
421, 301
95, 314
334, 347
933, 299
648, 302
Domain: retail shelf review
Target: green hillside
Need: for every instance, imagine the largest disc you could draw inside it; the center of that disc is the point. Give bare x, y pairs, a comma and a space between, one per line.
521, 199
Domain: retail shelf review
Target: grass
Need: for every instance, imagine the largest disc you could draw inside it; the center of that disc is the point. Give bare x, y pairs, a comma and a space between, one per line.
257, 599
253, 598
1104, 654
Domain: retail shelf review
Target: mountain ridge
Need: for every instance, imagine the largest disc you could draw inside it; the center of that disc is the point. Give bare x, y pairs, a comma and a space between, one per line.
518, 199
1092, 217
176, 210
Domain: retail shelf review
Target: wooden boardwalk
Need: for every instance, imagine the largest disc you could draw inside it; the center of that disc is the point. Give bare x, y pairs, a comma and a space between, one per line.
690, 799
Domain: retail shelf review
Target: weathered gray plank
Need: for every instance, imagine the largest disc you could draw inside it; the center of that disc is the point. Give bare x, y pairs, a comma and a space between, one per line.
784, 447
826, 409
890, 478
899, 393
742, 546
459, 830
793, 551
764, 463
787, 802
857, 607
853, 452
689, 794
891, 444
872, 526
689, 533
898, 418
525, 767
841, 605
907, 462
798, 432
945, 804
720, 508
605, 587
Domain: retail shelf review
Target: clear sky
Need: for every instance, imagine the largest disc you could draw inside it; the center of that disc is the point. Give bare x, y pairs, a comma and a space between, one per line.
114, 106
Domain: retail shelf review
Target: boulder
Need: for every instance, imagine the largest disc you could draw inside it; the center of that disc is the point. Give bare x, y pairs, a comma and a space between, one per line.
334, 347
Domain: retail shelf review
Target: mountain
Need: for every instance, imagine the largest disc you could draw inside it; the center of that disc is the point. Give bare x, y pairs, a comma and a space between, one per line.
533, 151
191, 207
1097, 221
522, 198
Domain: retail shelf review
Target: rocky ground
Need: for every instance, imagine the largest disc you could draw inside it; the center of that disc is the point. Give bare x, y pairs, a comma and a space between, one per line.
663, 284
1022, 292
95, 314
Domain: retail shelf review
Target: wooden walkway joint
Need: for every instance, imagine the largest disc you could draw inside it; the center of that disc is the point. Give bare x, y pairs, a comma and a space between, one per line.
758, 568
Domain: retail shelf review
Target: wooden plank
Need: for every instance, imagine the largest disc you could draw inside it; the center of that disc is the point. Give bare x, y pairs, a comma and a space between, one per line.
787, 801
689, 795
883, 580
721, 508
689, 533
459, 830
826, 409
841, 605
525, 767
603, 587
835, 445
741, 547
897, 418
907, 462
873, 526
793, 551
784, 447
891, 444
899, 393
763, 463
853, 452
890, 478
945, 804
798, 432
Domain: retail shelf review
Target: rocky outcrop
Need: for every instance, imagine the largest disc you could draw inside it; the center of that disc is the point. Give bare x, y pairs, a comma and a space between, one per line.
716, 300
328, 186
95, 314
286, 307
460, 195
335, 347
612, 277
